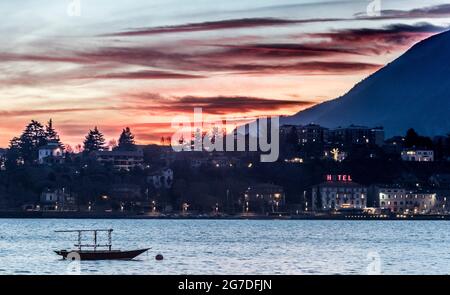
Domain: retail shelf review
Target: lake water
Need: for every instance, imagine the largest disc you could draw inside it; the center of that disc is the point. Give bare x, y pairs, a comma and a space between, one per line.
235, 246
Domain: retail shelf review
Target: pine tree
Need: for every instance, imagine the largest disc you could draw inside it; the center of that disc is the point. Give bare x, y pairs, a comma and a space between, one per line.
51, 134
32, 138
13, 154
94, 141
126, 141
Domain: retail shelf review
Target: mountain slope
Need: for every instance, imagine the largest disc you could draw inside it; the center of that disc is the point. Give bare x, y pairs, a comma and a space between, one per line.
412, 91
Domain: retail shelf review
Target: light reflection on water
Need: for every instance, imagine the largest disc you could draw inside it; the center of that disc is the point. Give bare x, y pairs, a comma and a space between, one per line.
234, 246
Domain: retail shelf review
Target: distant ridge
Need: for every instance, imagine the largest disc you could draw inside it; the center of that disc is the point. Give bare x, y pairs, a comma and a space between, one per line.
412, 91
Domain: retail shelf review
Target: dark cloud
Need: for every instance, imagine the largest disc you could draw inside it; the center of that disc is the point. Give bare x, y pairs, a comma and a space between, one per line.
436, 11
282, 50
306, 68
318, 53
13, 57
215, 25
148, 75
216, 105
378, 41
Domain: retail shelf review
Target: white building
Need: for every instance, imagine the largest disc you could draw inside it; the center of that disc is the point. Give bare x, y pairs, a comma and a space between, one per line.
399, 200
337, 193
125, 160
161, 179
56, 199
50, 152
418, 155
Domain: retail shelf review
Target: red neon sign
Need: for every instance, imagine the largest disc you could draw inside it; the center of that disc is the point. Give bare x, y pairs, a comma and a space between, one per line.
339, 178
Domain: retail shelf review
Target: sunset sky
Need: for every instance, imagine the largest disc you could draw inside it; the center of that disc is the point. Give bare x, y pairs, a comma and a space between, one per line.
139, 63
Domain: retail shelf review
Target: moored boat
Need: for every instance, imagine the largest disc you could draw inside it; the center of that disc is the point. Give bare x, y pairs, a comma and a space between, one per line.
101, 254
104, 253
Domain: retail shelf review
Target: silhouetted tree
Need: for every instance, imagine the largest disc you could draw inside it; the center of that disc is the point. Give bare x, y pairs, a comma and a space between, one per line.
94, 141
413, 139
51, 134
13, 153
126, 141
32, 138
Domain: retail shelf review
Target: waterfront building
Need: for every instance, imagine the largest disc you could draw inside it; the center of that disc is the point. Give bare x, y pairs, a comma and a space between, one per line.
121, 160
338, 192
400, 200
125, 192
263, 198
412, 155
56, 200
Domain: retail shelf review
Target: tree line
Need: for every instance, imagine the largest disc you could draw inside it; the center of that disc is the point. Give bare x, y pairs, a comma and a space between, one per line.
24, 148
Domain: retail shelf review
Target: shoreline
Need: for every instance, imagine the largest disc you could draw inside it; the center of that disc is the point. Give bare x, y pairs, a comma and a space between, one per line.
85, 215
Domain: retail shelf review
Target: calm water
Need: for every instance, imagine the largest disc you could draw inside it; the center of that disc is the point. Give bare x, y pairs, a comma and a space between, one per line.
236, 247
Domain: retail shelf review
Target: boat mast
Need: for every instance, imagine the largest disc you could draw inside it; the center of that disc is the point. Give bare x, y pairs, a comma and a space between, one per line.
79, 245
79, 240
110, 239
95, 240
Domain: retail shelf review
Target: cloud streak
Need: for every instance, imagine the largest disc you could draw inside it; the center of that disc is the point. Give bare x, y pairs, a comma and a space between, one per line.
215, 105
148, 75
214, 25
437, 11
378, 41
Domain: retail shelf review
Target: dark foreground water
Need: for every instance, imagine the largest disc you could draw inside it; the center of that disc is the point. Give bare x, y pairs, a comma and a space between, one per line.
235, 247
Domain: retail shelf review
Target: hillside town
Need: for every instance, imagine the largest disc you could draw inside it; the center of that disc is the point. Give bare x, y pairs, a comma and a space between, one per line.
346, 172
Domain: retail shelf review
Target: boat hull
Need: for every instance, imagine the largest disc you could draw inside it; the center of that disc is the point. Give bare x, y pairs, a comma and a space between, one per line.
101, 255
